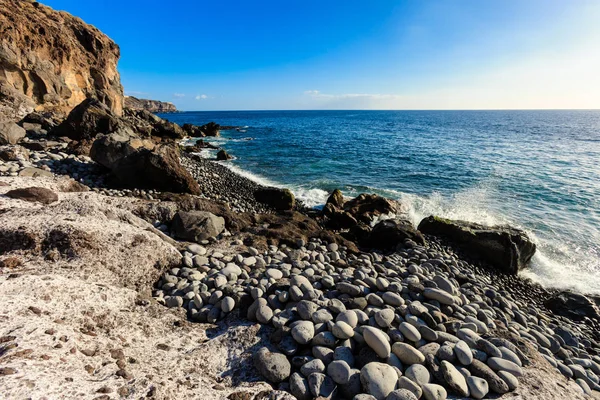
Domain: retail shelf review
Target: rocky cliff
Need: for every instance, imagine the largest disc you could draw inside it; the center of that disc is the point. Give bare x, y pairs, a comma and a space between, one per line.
153, 106
51, 60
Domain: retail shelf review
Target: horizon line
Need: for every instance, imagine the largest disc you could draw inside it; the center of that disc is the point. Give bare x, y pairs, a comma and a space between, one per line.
386, 109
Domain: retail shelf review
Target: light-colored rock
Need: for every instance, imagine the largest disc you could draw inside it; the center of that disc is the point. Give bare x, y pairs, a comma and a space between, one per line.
408, 354
377, 340
378, 379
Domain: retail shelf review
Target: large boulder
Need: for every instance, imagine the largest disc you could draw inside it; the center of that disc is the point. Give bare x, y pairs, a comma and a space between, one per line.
87, 120
573, 305
336, 199
506, 248
222, 155
366, 207
136, 163
54, 60
10, 133
388, 234
279, 199
196, 226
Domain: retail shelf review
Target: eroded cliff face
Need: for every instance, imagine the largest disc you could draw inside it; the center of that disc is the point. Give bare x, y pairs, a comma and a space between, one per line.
51, 60
153, 106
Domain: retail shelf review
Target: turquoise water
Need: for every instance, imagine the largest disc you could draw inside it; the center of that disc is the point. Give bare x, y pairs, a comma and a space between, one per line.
539, 170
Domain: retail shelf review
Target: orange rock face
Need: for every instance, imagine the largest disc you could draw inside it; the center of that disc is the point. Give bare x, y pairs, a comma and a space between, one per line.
51, 60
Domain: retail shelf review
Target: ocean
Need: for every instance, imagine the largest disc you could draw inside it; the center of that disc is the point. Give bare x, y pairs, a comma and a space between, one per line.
536, 170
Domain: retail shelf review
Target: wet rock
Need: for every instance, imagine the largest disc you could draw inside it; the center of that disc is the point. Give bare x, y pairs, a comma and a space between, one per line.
508, 249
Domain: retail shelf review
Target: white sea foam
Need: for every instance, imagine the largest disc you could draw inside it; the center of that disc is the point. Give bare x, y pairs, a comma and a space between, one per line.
310, 197
249, 175
554, 264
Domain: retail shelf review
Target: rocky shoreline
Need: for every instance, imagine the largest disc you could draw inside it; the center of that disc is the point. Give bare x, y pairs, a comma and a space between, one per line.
131, 267
419, 317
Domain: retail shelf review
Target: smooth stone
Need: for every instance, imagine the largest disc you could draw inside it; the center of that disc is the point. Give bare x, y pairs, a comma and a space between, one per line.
393, 299
509, 355
306, 309
402, 394
339, 371
409, 331
324, 339
378, 379
227, 304
274, 273
440, 295
315, 365
481, 370
303, 332
478, 387
264, 314
510, 379
377, 341
385, 317
343, 353
500, 364
454, 379
348, 317
196, 249
418, 373
342, 330
408, 354
431, 391
405, 383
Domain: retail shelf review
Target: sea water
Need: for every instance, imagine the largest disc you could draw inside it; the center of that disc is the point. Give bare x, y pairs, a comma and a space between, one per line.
537, 170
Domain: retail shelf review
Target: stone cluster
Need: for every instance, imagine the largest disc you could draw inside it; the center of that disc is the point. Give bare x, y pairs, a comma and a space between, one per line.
418, 323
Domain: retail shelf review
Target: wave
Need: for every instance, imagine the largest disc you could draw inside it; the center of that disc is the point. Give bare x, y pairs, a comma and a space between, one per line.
555, 264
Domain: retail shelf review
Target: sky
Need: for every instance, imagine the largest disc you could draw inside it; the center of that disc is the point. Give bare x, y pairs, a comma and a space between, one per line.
354, 54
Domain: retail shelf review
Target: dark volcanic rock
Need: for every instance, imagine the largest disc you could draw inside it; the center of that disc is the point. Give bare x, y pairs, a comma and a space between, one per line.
280, 199
136, 165
573, 305
222, 155
33, 194
197, 225
508, 249
365, 207
388, 234
336, 199
87, 120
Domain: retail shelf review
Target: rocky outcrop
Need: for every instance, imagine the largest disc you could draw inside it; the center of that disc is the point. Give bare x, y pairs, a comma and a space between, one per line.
222, 155
153, 106
87, 120
136, 163
506, 248
279, 199
388, 234
51, 60
573, 305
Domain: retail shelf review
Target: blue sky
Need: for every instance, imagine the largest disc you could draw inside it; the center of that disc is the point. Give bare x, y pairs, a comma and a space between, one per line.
454, 54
